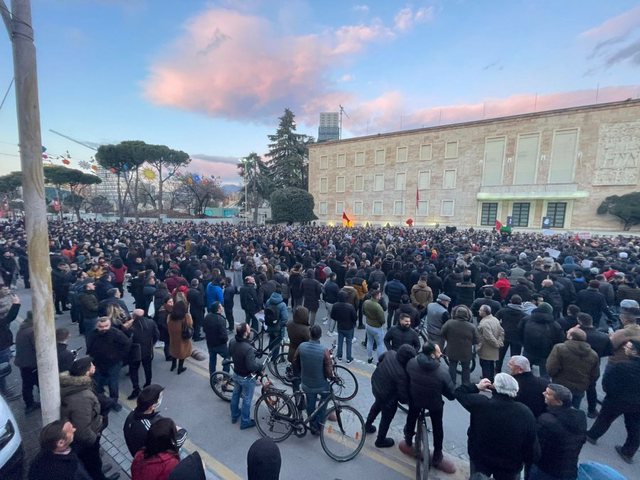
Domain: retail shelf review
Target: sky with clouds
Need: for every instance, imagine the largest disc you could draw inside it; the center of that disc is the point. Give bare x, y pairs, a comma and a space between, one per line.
212, 77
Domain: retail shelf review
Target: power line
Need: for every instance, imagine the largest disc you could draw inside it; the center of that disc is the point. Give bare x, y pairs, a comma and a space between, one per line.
7, 93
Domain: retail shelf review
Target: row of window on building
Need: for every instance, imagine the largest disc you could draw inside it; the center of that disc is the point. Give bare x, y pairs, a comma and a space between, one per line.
378, 179
564, 151
520, 211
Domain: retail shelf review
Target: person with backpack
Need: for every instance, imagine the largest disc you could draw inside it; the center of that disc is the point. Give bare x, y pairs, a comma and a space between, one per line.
276, 315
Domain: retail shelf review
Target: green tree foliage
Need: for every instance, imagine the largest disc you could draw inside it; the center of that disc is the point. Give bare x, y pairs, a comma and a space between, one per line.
625, 207
288, 154
292, 205
123, 160
259, 185
9, 184
166, 163
59, 176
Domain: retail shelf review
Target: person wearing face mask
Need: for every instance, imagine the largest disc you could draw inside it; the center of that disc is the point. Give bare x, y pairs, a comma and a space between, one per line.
143, 416
402, 334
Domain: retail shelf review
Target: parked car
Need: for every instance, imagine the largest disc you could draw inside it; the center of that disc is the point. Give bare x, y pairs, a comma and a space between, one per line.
11, 451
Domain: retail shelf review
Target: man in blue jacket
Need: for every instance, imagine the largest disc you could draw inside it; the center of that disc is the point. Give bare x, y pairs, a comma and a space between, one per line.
276, 316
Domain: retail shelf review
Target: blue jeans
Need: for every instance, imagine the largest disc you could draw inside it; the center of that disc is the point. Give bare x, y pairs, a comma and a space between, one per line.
312, 398
275, 337
377, 334
345, 335
244, 387
109, 377
221, 350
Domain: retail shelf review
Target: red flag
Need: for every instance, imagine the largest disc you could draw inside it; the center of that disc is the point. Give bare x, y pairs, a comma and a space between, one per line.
346, 221
344, 217
498, 225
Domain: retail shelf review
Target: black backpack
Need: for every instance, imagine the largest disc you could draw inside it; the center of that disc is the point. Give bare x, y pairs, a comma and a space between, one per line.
271, 315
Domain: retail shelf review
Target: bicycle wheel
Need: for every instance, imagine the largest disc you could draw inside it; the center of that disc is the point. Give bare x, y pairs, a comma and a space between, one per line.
256, 339
222, 385
274, 414
343, 438
402, 407
280, 367
422, 449
346, 384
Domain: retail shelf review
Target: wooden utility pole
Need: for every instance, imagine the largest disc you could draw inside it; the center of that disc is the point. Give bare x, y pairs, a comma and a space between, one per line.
24, 63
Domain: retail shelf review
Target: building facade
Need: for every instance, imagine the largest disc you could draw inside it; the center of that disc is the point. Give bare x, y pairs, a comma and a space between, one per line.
329, 127
555, 166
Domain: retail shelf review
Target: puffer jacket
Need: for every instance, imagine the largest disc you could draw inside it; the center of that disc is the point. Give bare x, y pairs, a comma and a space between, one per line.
398, 335
277, 300
428, 382
421, 295
80, 405
561, 432
298, 331
390, 381
394, 290
510, 318
620, 383
311, 291
573, 364
540, 332
158, 467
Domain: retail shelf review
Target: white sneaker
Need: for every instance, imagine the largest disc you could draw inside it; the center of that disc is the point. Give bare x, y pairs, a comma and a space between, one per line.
354, 340
325, 321
331, 334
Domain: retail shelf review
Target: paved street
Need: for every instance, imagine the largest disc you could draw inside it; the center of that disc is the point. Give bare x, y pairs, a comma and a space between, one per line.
190, 402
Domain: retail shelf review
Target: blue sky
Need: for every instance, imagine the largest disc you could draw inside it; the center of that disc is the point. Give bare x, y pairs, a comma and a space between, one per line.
212, 78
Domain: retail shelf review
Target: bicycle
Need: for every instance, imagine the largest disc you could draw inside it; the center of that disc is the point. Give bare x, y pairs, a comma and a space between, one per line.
423, 459
346, 383
277, 416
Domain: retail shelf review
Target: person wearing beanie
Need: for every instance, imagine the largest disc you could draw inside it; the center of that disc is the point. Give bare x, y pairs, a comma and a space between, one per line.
263, 460
390, 385
79, 404
562, 431
460, 335
143, 416
428, 383
502, 432
540, 332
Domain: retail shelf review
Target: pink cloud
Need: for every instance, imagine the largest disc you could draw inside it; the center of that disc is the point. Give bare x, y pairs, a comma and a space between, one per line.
406, 18
616, 26
353, 38
227, 171
389, 112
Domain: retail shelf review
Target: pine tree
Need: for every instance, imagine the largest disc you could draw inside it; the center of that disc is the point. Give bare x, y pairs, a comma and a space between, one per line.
288, 154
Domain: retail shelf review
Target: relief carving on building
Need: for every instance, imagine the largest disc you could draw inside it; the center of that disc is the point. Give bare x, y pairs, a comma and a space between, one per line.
618, 160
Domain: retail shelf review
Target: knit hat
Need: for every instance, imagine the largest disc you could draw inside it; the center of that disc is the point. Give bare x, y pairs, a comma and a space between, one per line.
405, 353
544, 307
263, 460
506, 384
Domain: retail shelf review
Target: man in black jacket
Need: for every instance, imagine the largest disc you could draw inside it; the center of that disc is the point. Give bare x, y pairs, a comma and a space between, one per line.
390, 385
215, 330
145, 414
600, 344
502, 432
394, 290
346, 318
510, 317
65, 357
561, 432
144, 335
591, 301
540, 332
195, 296
429, 381
244, 366
530, 387
250, 302
89, 306
108, 347
60, 286
620, 383
402, 334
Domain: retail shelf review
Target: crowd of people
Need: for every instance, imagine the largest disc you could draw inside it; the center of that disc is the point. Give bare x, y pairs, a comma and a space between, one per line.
555, 305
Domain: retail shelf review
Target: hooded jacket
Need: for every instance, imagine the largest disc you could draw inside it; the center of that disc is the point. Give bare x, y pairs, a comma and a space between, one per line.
421, 295
540, 332
390, 382
189, 468
157, 467
277, 300
562, 432
80, 405
428, 382
461, 335
573, 364
298, 331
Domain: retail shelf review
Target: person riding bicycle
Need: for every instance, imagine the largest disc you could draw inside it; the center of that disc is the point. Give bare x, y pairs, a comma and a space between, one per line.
315, 364
390, 385
428, 383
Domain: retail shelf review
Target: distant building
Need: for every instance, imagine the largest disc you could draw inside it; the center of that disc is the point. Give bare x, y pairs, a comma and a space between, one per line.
329, 128
109, 186
555, 166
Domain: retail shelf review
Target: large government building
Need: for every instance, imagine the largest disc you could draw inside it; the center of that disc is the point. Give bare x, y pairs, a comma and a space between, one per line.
555, 166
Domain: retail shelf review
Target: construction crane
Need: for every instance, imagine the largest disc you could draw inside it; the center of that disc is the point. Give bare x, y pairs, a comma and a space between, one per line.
342, 110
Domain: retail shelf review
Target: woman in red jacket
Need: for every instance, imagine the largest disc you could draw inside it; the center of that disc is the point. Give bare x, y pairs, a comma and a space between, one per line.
157, 459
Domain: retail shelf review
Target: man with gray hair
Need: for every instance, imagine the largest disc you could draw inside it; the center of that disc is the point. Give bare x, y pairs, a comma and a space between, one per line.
562, 431
502, 432
530, 387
